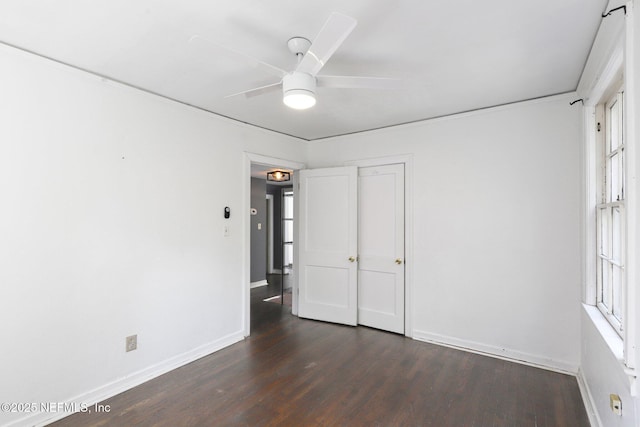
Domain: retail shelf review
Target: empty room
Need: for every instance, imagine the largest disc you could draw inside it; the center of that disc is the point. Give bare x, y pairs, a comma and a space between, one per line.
297, 213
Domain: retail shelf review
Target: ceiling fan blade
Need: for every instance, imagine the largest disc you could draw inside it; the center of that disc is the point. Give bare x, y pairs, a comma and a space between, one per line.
328, 40
206, 45
257, 91
355, 82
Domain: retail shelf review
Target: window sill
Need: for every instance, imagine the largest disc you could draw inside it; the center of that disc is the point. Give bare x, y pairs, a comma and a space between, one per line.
609, 335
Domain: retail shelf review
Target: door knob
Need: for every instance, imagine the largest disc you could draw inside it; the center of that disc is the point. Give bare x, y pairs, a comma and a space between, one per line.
352, 259
398, 261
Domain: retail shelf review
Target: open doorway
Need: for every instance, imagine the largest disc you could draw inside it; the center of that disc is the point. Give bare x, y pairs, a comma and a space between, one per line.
270, 243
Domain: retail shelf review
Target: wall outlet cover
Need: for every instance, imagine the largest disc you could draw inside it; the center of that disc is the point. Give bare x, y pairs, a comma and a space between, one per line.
132, 343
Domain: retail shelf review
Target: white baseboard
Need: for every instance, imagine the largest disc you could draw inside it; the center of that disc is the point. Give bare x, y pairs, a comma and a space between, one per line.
258, 284
108, 390
498, 352
587, 399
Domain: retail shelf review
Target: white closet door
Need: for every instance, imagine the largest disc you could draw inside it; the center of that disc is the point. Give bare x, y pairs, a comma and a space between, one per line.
381, 247
328, 207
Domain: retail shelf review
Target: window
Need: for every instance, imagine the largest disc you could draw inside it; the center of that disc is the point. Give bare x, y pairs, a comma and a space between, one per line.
610, 210
287, 222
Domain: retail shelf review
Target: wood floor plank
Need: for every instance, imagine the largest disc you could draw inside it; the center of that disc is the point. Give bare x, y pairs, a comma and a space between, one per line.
295, 372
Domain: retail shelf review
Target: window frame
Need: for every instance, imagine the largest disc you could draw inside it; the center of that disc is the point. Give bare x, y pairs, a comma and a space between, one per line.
287, 244
610, 297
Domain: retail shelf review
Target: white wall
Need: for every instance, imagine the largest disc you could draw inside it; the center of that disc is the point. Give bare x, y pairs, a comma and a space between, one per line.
110, 225
496, 219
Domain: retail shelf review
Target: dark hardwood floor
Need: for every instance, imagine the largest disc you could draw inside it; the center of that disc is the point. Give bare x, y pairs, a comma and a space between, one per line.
295, 372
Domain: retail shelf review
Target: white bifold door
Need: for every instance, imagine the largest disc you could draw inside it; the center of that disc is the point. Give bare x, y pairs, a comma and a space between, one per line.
352, 246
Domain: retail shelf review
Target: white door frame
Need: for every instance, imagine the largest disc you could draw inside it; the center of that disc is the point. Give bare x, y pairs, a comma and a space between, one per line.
250, 158
407, 160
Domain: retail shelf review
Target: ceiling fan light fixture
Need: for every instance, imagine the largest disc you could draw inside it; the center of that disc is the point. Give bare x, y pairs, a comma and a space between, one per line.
299, 99
299, 90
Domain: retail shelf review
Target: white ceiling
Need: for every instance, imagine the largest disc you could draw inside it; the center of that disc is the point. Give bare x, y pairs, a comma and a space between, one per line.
456, 55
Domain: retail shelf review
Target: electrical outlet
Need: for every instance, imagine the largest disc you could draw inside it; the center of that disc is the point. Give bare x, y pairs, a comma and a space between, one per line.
132, 343
615, 403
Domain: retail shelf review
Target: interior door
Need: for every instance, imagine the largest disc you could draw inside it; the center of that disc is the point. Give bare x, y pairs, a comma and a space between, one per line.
381, 247
328, 205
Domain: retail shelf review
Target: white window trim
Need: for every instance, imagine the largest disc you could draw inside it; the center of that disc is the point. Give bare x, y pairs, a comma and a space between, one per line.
609, 76
632, 251
609, 81
620, 60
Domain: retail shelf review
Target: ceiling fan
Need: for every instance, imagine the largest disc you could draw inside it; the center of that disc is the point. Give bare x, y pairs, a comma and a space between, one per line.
299, 86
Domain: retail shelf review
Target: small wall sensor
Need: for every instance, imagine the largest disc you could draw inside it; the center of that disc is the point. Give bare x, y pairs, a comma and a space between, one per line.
615, 403
254, 211
227, 212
